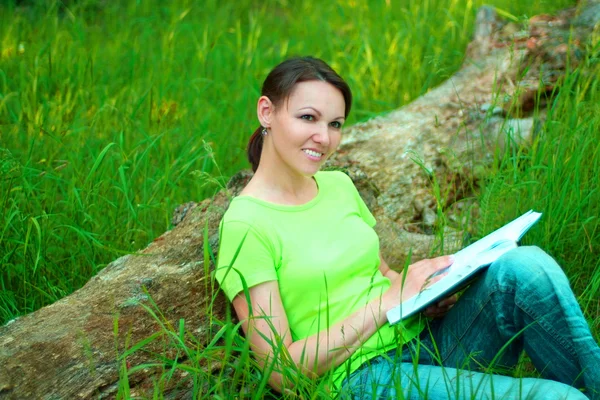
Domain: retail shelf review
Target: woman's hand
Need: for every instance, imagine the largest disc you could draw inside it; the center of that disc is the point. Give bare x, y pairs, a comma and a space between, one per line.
417, 277
441, 308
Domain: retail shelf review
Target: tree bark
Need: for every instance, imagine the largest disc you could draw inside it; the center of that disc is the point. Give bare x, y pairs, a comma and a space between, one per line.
71, 348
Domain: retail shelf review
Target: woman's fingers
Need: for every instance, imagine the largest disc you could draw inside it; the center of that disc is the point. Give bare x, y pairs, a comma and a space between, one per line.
434, 269
436, 312
444, 261
435, 266
441, 308
448, 301
436, 263
431, 266
425, 273
431, 311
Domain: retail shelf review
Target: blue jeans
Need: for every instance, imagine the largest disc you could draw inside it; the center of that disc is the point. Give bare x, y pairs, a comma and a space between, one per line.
522, 302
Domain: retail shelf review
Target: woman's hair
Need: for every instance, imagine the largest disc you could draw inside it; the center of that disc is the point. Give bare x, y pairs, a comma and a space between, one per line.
279, 85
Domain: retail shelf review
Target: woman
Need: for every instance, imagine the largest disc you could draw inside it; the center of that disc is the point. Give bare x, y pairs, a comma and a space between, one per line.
300, 261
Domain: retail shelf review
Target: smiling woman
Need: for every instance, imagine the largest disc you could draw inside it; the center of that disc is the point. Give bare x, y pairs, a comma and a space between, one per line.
300, 261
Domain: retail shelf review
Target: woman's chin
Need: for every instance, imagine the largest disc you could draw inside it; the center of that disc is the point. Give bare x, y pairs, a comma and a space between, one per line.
310, 170
311, 167
305, 167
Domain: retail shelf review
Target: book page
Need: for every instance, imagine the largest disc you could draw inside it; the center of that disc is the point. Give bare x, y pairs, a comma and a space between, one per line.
511, 232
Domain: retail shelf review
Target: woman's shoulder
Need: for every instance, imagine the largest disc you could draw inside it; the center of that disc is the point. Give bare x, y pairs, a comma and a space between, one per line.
243, 211
337, 182
246, 212
334, 177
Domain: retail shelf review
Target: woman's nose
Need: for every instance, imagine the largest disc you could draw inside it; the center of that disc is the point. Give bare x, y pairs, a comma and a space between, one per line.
322, 134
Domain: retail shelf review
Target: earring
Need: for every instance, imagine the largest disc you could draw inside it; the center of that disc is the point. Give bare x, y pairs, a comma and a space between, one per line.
264, 132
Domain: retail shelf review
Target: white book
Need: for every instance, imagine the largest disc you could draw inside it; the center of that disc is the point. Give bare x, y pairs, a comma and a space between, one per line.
468, 262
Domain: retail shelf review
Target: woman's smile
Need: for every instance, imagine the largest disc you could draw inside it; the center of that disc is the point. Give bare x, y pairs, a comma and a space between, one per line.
313, 155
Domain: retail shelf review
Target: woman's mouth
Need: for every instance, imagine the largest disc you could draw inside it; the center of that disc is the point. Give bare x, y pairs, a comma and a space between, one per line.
313, 155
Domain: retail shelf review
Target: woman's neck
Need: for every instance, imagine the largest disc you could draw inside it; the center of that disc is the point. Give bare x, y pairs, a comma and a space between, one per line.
279, 185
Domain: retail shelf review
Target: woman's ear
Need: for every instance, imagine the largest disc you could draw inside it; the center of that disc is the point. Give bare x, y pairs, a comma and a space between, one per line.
265, 111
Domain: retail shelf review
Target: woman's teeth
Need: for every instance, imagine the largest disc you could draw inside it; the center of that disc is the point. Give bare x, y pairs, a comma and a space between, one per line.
312, 153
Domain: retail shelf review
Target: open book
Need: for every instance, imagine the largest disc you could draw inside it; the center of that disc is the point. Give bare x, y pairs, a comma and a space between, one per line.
468, 262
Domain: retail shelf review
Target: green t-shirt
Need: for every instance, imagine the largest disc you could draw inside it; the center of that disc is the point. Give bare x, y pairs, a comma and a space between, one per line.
324, 255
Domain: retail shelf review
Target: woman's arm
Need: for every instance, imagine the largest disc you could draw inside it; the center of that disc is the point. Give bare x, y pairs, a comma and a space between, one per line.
267, 328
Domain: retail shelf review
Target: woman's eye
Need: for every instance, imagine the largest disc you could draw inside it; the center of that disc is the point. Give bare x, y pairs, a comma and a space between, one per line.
336, 124
308, 117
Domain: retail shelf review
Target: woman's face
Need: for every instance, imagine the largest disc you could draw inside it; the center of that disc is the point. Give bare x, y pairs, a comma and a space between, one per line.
306, 128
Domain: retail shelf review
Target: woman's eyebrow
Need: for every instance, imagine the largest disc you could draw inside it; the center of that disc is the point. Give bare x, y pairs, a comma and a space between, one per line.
311, 108
318, 112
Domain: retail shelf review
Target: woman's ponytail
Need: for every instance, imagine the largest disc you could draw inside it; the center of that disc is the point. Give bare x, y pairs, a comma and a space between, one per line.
254, 149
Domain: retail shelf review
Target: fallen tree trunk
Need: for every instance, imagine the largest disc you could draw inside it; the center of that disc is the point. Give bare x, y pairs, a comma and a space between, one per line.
71, 348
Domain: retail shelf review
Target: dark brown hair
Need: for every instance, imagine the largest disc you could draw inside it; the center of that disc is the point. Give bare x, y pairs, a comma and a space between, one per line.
279, 85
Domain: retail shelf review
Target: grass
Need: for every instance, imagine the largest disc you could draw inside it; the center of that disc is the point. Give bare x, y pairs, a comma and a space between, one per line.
106, 109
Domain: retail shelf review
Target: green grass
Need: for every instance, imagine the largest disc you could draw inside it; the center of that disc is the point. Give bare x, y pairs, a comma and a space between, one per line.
560, 176
106, 109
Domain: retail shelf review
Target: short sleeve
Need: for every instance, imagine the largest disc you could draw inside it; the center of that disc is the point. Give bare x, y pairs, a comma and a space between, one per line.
363, 210
243, 253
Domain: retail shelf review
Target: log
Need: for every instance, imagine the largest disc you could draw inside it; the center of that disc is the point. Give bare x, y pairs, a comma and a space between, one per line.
74, 348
